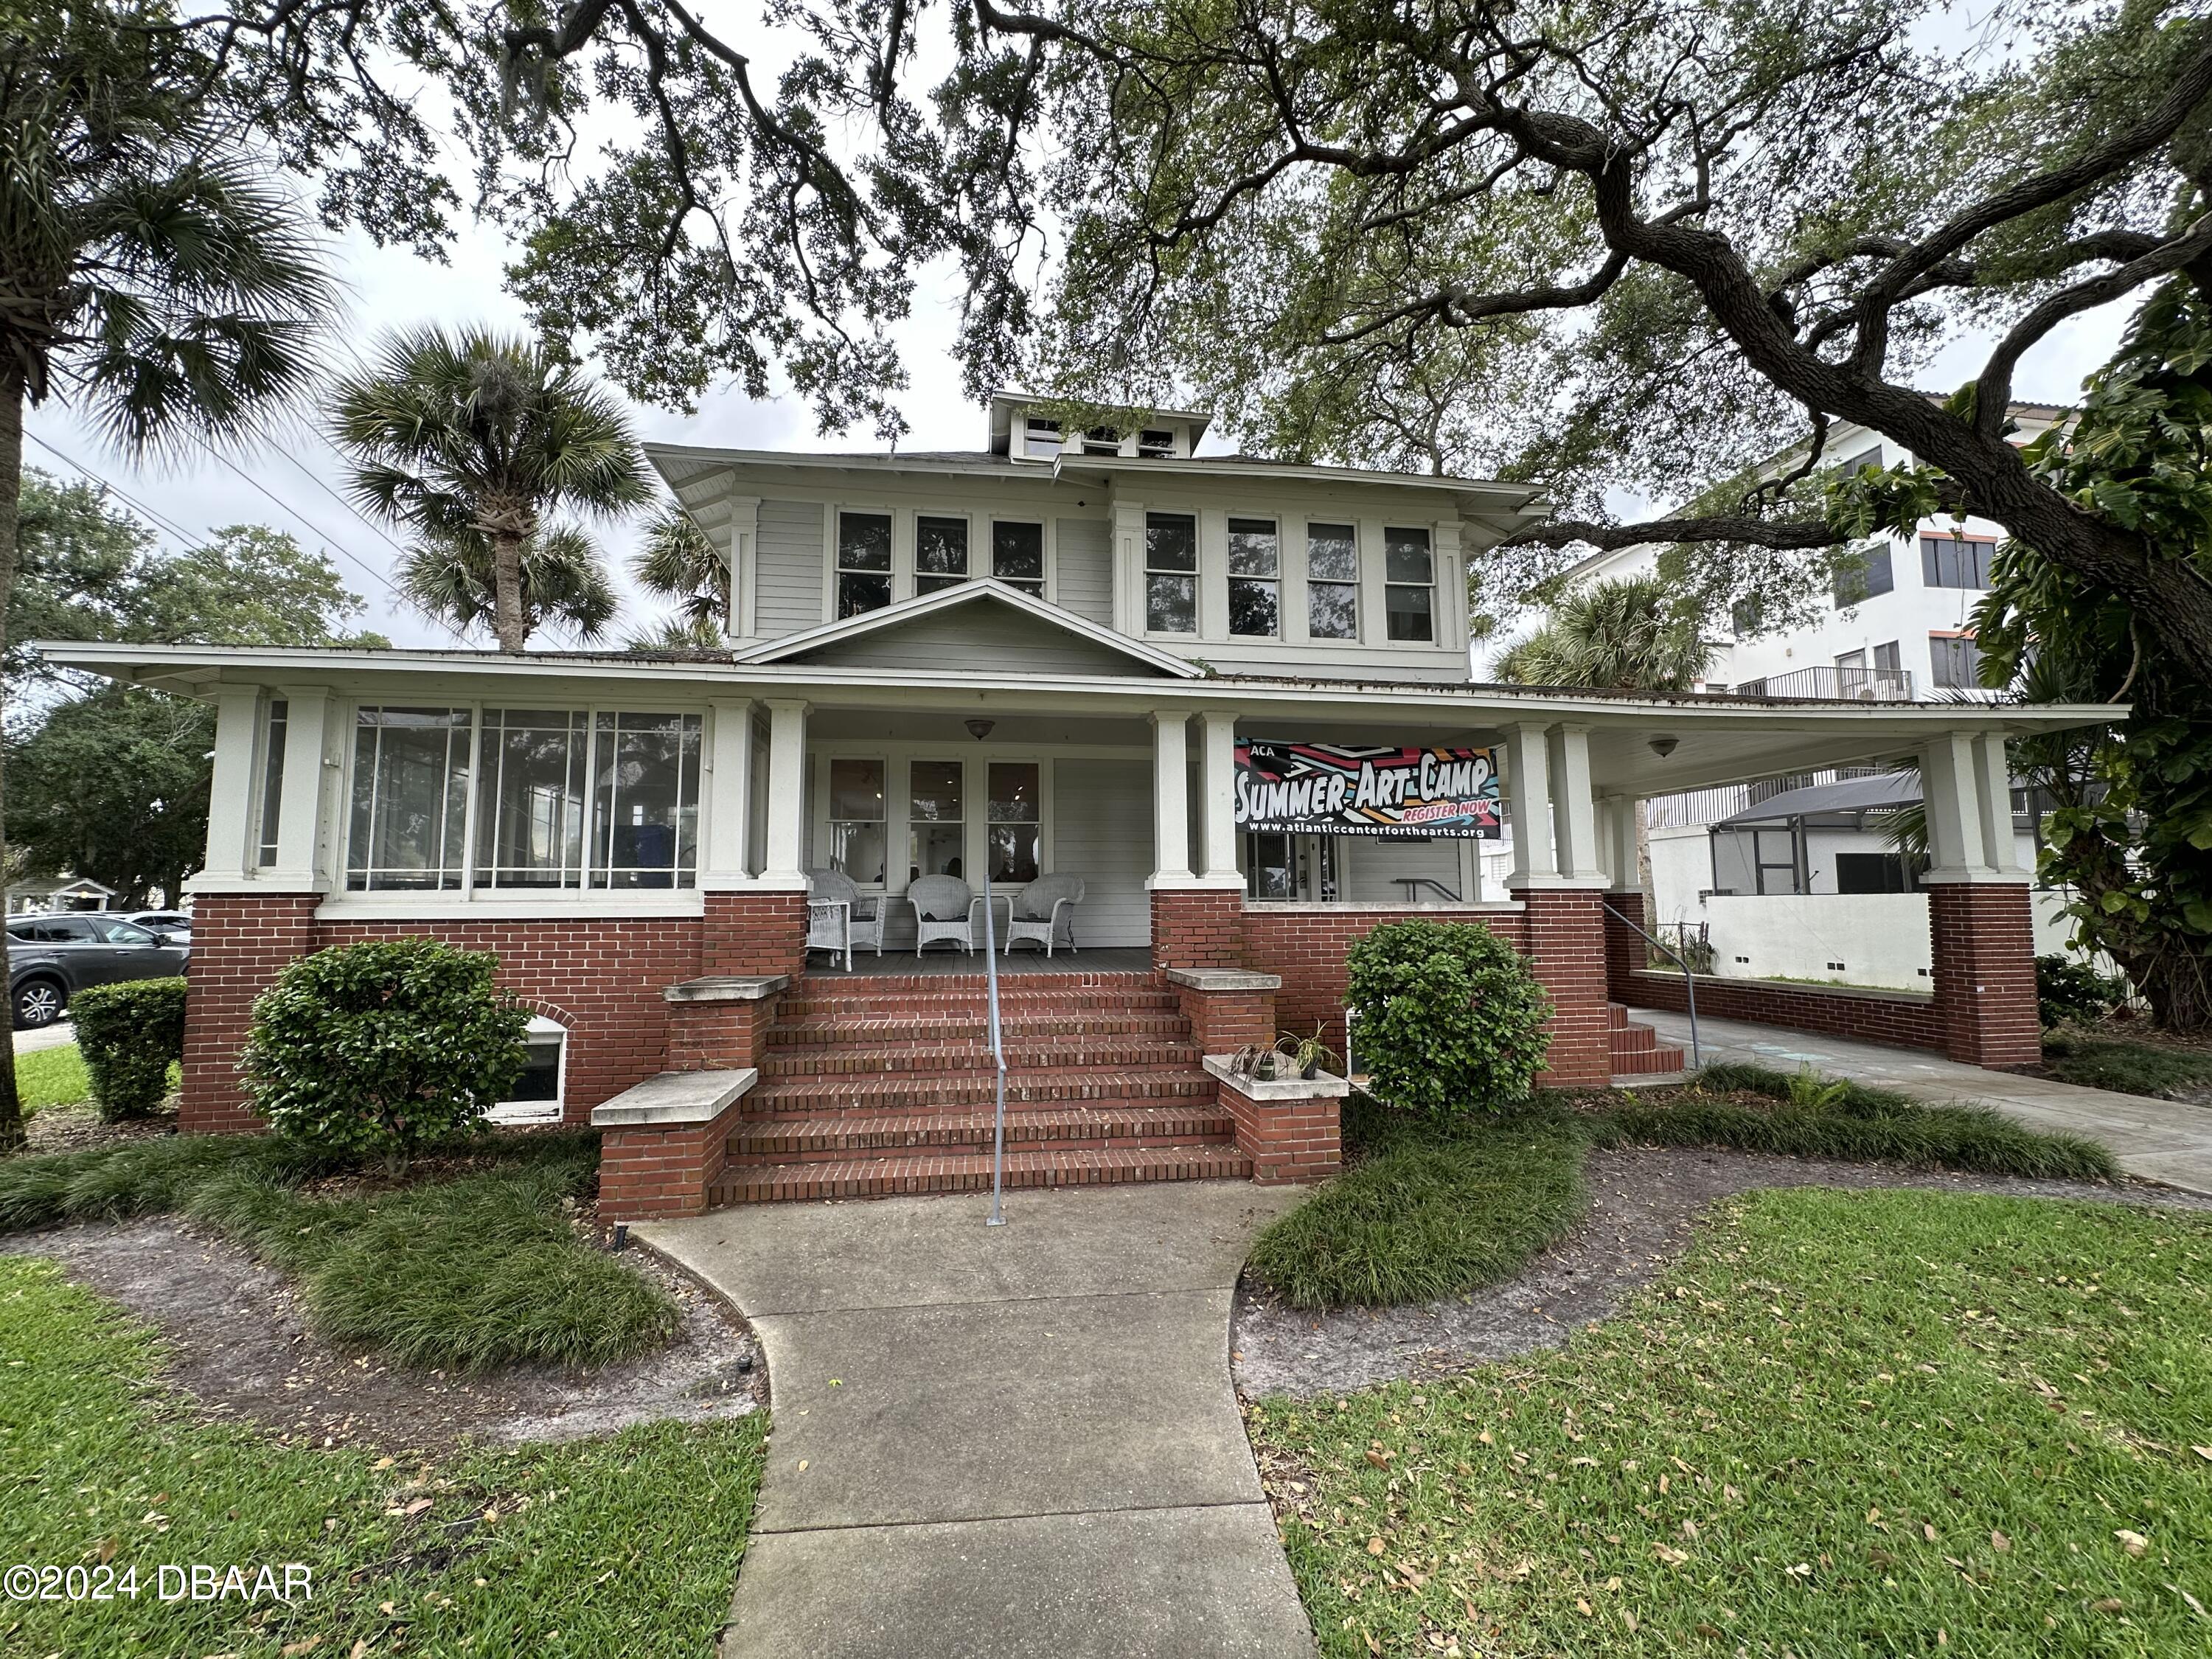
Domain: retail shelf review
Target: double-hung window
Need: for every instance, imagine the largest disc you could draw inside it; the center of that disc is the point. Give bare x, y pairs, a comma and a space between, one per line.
940, 553
1017, 556
1101, 441
1041, 439
936, 818
864, 562
1955, 658
561, 799
1170, 573
1409, 592
1155, 445
1256, 588
1955, 560
1332, 581
1014, 812
858, 820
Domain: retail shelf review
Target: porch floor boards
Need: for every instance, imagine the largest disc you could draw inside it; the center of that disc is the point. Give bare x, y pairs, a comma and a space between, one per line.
881, 1083
1092, 959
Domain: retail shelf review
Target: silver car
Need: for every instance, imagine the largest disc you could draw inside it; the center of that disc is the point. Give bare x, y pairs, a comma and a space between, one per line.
52, 957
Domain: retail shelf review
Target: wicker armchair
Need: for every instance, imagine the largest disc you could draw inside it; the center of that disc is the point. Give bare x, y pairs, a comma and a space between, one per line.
838, 918
944, 911
1040, 908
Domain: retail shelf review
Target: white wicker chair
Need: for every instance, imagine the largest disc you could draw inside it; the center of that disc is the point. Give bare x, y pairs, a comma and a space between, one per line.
944, 910
838, 918
1039, 907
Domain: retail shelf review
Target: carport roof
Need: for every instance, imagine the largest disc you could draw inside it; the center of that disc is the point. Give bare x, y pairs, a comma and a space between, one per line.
1879, 793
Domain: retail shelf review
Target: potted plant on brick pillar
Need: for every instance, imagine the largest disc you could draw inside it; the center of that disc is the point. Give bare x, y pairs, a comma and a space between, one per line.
1307, 1054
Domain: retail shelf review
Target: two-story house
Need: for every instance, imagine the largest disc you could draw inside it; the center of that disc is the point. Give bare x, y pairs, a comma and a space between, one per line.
1229, 697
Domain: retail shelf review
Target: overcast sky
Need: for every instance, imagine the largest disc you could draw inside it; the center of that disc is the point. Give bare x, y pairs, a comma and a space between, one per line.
297, 484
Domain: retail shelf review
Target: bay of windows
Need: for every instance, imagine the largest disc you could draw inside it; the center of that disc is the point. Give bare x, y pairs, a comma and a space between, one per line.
559, 799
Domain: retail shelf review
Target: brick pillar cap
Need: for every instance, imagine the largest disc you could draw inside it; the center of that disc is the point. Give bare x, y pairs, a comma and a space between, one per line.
727, 987
674, 1099
1324, 1087
1224, 978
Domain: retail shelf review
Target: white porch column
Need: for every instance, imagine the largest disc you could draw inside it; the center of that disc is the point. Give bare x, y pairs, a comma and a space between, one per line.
230, 794
308, 711
1171, 802
729, 783
1952, 798
1219, 758
1616, 843
783, 860
1527, 786
1574, 825
1993, 793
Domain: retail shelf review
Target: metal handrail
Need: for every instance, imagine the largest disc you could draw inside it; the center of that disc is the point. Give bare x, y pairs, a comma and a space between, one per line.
1413, 884
1689, 979
997, 1217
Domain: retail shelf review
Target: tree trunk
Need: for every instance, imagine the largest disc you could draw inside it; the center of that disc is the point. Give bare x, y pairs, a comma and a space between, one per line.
11, 495
506, 617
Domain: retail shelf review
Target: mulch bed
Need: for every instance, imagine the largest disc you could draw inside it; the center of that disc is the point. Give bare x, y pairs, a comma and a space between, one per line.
79, 1128
238, 1344
1644, 1206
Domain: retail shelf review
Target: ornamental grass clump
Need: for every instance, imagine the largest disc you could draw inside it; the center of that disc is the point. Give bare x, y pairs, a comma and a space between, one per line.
1447, 1018
384, 1047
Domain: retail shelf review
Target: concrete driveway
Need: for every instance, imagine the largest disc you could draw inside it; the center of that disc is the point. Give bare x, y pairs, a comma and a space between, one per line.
2161, 1140
1011, 1441
59, 1035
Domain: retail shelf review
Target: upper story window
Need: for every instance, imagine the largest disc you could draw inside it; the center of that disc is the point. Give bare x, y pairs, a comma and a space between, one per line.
1041, 439
1017, 556
1871, 574
864, 562
1256, 588
1955, 659
1332, 581
1860, 462
563, 799
1410, 591
940, 553
1157, 445
1955, 560
1170, 573
1101, 441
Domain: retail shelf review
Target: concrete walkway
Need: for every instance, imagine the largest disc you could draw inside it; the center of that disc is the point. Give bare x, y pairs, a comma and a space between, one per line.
1001, 1441
58, 1035
2163, 1141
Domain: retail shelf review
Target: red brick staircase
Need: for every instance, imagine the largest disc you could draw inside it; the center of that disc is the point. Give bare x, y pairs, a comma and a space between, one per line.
874, 1085
1637, 1050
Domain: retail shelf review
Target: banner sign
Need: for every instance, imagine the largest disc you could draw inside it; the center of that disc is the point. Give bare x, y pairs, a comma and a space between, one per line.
1349, 790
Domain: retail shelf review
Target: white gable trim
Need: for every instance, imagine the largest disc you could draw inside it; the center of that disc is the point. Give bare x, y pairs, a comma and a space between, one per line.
968, 593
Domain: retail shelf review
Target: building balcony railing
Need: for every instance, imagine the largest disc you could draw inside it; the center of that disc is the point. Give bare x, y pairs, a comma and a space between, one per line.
1848, 684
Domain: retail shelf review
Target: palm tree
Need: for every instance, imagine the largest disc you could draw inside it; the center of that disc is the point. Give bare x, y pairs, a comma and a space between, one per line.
676, 561
565, 582
152, 277
1630, 634
479, 435
678, 632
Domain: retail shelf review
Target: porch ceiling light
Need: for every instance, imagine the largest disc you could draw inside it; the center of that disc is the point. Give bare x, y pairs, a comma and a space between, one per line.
1662, 747
980, 729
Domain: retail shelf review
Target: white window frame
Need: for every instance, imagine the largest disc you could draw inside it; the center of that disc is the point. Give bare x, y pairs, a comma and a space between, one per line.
1043, 526
1436, 630
469, 899
540, 1111
825, 847
916, 574
976, 782
1196, 574
1280, 581
1309, 582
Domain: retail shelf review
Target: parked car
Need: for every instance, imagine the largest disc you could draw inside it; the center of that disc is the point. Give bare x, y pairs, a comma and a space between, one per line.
173, 927
52, 957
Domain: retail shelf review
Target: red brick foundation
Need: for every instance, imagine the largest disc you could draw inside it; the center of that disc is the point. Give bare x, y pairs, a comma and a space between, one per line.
1292, 1141
1903, 1019
1308, 946
1982, 940
1626, 952
1198, 927
716, 1028
1567, 947
754, 933
1226, 1016
240, 943
650, 1170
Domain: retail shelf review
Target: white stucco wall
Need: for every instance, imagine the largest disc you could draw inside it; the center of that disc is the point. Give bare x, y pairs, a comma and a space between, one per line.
1861, 939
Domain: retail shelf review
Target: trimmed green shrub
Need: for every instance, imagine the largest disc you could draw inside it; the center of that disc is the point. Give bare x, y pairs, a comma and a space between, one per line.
129, 1034
2069, 988
1450, 1018
384, 1047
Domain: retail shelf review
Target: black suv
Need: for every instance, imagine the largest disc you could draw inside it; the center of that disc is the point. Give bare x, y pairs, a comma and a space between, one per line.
51, 958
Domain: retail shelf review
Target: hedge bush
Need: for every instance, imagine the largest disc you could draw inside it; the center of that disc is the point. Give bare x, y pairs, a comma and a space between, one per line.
129, 1034
1448, 1017
384, 1047
2068, 988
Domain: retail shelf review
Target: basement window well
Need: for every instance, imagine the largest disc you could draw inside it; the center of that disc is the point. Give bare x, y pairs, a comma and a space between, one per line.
537, 1091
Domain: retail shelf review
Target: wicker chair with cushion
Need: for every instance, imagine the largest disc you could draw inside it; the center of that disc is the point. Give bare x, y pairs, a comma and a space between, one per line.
838, 918
1040, 908
944, 909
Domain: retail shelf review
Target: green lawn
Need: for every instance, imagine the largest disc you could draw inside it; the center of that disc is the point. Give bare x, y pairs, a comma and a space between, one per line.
1846, 1423
51, 1077
624, 1547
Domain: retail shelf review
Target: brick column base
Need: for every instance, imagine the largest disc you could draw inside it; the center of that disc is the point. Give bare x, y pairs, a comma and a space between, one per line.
721, 1024
1982, 938
1198, 927
1291, 1129
753, 932
1228, 1008
1568, 949
239, 942
1625, 950
646, 1172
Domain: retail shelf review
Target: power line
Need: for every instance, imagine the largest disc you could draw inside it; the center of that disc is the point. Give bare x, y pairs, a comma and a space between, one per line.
283, 506
318, 484
145, 512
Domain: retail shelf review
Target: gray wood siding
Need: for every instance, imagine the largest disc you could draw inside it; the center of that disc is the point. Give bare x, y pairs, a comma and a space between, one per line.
984, 637
787, 593
1374, 863
1103, 831
1085, 567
